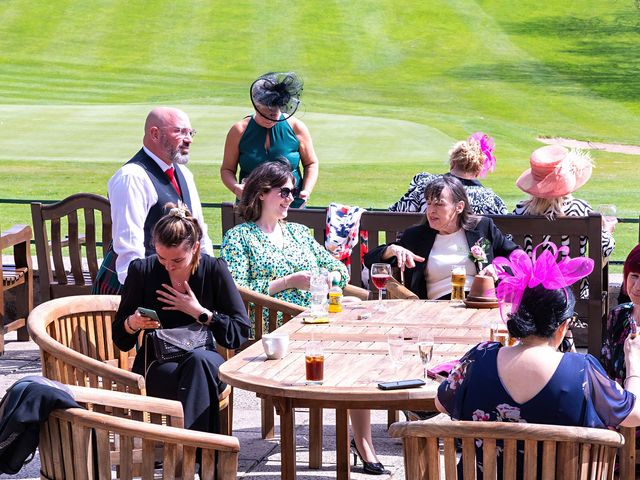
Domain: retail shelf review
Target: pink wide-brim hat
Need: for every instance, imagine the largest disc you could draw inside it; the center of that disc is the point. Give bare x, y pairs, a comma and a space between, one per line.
555, 172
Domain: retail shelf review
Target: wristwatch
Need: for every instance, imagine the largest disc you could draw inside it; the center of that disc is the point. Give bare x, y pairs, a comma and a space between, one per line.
204, 317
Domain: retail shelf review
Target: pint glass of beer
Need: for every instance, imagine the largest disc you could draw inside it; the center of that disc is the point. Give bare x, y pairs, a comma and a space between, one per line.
314, 362
499, 333
458, 279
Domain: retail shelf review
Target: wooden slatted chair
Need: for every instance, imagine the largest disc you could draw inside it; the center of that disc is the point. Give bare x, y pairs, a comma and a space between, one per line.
628, 454
78, 444
76, 347
357, 292
18, 277
561, 452
265, 311
64, 230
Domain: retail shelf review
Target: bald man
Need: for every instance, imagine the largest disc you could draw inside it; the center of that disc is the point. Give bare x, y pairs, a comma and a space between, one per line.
140, 189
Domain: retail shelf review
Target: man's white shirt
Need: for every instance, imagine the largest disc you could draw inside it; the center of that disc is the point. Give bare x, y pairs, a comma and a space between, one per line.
132, 194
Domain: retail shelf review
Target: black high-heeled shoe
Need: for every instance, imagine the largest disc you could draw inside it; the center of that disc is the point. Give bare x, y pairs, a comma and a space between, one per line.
370, 468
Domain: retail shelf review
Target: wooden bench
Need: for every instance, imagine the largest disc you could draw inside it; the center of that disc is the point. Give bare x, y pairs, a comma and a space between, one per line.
18, 277
384, 227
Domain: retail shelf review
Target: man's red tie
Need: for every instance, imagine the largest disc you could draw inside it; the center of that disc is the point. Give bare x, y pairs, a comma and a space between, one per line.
171, 174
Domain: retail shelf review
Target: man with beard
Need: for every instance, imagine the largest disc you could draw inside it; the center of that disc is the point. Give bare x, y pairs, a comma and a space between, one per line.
140, 189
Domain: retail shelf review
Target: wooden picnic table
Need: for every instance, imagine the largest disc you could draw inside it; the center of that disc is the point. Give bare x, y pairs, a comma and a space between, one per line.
356, 360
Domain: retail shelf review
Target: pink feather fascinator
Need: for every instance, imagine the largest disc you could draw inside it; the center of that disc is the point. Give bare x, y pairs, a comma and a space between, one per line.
520, 271
487, 145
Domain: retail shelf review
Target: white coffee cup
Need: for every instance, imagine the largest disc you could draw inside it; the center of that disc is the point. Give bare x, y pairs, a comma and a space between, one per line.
276, 345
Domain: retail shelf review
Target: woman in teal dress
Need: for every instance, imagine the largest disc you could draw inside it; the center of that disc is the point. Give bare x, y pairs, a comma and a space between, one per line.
271, 133
276, 258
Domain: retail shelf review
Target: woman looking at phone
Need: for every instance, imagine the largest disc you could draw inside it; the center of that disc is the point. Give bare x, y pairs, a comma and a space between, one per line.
182, 287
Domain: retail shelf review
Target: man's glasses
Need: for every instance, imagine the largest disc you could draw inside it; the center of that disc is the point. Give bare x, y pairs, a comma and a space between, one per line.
286, 191
183, 132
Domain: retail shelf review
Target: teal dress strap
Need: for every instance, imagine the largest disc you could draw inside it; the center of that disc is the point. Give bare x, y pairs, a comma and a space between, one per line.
282, 143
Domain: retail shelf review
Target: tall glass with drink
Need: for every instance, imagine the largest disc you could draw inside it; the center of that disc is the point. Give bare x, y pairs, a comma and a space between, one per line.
319, 289
314, 362
425, 349
499, 333
380, 275
395, 342
609, 217
458, 279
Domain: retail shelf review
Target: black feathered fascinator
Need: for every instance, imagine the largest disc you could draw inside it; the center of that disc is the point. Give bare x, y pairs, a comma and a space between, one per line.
273, 91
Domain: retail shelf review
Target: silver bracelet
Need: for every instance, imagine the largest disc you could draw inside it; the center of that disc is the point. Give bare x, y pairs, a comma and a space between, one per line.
285, 282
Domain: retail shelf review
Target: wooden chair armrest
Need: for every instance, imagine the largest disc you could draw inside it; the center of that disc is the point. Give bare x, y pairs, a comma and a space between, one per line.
396, 290
125, 400
15, 235
266, 301
505, 430
353, 291
151, 431
85, 363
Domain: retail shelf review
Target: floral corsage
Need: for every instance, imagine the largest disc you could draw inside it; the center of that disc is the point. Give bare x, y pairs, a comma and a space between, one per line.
478, 253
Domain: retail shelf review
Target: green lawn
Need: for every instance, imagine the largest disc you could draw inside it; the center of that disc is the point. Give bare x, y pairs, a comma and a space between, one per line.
389, 87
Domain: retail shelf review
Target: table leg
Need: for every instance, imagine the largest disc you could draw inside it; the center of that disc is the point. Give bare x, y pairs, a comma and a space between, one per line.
284, 408
315, 438
342, 444
266, 410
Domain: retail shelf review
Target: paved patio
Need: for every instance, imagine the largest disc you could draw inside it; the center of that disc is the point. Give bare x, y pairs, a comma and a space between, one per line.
259, 459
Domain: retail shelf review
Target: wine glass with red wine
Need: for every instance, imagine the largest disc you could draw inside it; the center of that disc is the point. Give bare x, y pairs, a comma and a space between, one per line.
380, 275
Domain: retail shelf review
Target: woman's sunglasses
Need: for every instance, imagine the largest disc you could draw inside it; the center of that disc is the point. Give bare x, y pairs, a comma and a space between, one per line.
286, 191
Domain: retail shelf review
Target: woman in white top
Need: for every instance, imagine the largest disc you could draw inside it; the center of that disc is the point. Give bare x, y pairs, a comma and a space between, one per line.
450, 236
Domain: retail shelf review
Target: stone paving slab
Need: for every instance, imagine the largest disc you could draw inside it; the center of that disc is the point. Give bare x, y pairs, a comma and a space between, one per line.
259, 459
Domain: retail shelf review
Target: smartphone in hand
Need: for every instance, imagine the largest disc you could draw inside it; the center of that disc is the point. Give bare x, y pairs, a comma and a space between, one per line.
147, 312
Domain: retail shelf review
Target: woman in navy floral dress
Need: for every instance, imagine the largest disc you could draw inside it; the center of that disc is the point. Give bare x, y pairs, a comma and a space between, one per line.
533, 381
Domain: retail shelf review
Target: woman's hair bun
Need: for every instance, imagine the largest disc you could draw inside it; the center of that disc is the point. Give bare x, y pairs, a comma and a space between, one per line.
541, 312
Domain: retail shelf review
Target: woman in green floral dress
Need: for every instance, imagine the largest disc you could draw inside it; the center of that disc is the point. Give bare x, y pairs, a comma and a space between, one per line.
277, 258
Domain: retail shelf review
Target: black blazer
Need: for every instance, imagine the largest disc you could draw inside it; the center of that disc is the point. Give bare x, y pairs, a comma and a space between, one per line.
419, 240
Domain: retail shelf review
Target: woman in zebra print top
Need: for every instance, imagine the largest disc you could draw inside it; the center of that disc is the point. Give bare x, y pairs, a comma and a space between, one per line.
467, 161
556, 172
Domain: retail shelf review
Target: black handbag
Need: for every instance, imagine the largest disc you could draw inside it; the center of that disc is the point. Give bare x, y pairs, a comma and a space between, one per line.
171, 344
